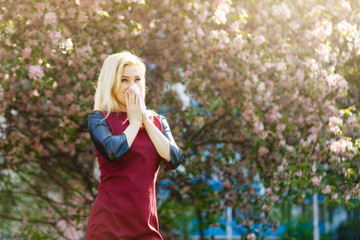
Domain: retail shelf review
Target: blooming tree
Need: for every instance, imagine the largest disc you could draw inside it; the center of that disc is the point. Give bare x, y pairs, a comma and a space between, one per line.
273, 94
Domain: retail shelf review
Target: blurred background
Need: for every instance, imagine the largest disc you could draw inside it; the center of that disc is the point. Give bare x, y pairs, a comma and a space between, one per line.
262, 97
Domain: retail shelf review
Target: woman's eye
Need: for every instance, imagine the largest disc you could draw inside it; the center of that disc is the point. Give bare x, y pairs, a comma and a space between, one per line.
138, 79
123, 80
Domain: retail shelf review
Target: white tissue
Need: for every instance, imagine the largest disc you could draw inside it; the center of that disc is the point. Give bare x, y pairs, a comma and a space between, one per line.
137, 92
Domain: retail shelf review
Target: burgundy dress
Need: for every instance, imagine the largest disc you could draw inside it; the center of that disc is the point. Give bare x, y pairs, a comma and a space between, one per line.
125, 207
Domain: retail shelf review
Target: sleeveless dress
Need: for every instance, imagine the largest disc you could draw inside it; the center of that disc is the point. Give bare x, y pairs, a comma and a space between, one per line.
125, 207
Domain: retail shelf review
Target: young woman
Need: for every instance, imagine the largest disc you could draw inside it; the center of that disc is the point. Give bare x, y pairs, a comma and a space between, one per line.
130, 145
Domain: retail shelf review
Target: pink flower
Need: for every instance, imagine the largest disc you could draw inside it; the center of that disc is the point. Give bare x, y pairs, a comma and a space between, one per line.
341, 146
36, 72
268, 191
337, 81
68, 44
266, 208
259, 40
50, 18
281, 11
26, 52
327, 189
274, 198
335, 196
261, 87
316, 180
54, 36
35, 93
281, 66
220, 13
334, 123
312, 138
258, 127
251, 236
280, 168
347, 198
262, 151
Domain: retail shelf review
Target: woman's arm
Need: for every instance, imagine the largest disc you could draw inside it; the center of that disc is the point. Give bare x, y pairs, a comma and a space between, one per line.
110, 146
163, 141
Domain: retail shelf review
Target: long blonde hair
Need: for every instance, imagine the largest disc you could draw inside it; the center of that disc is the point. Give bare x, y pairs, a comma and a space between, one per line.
109, 80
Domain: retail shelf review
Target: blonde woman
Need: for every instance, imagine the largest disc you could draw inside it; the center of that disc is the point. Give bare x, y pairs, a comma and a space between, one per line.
130, 145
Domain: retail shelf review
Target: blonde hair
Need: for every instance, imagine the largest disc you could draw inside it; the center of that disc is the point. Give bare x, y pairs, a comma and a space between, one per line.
109, 80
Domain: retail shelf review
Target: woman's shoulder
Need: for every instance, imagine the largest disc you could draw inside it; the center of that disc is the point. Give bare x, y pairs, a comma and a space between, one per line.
96, 114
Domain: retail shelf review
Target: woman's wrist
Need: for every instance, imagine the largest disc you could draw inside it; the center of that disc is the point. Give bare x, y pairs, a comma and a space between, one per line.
135, 124
146, 119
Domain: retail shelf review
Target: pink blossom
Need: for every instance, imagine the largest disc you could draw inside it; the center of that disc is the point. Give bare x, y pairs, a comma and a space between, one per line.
67, 46
50, 18
261, 87
327, 189
70, 229
337, 81
280, 168
234, 26
341, 146
298, 173
316, 180
251, 236
313, 168
281, 66
348, 197
268, 191
239, 41
266, 207
357, 45
262, 151
274, 198
220, 13
36, 72
290, 148
281, 11
221, 35
26, 52
347, 29
54, 36
280, 127
259, 40
138, 1
323, 52
346, 5
258, 127
334, 123
335, 196
322, 30
200, 31
312, 137
35, 93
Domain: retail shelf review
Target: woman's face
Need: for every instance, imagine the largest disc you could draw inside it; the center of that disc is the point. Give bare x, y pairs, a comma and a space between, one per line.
131, 74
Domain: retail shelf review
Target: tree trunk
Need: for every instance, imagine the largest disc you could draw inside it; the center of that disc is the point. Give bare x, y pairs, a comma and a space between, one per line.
198, 211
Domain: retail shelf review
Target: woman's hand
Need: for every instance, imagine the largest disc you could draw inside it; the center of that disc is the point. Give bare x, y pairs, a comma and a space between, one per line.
145, 119
133, 108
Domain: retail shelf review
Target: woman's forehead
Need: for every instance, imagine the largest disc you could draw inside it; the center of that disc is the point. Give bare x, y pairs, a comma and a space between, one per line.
131, 70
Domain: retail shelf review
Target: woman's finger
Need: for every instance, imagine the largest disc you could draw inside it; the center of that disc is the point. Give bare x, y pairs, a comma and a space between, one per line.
130, 96
134, 97
137, 100
126, 98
